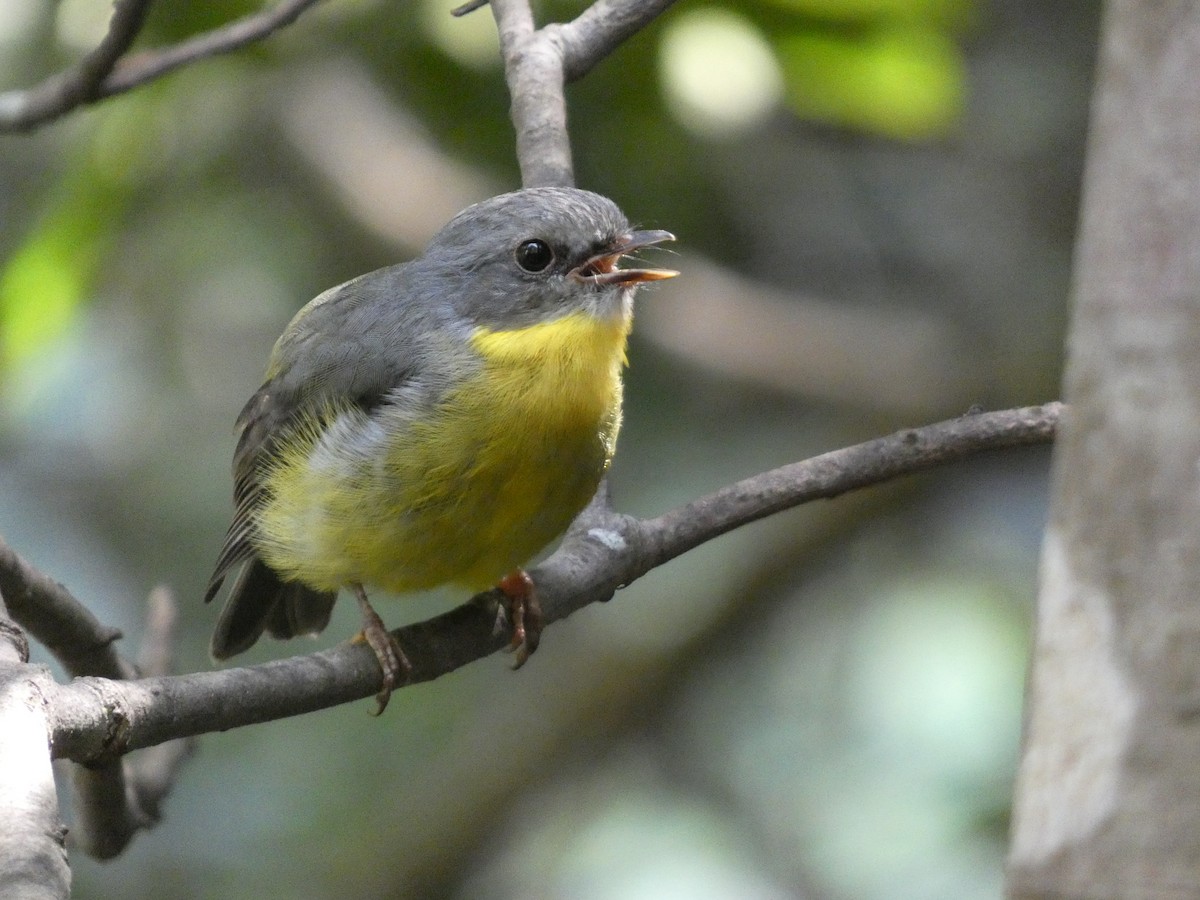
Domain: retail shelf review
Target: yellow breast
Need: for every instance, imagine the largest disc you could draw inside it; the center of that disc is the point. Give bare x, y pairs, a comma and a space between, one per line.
463, 493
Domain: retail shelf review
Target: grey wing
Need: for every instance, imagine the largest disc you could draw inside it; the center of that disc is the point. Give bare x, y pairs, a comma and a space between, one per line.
258, 423
355, 344
259, 598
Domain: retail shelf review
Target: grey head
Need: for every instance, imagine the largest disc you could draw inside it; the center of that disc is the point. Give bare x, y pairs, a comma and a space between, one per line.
537, 254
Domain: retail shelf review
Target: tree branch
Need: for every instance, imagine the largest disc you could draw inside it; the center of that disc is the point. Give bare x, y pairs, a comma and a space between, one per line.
94, 720
62, 624
115, 799
107, 71
848, 469
600, 29
137, 70
533, 69
21, 110
539, 62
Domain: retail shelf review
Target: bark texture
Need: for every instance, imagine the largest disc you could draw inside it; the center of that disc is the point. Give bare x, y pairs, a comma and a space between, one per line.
1108, 793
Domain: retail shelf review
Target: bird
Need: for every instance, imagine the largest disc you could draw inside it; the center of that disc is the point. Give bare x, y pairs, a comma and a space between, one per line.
439, 421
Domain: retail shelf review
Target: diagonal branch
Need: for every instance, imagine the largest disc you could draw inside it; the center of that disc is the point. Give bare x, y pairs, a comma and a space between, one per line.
137, 70
20, 110
107, 71
61, 623
834, 473
96, 719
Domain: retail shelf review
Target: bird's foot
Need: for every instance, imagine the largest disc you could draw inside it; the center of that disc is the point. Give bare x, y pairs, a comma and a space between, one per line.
395, 665
524, 612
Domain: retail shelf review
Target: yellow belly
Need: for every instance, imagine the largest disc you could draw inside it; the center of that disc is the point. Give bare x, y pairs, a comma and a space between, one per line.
467, 492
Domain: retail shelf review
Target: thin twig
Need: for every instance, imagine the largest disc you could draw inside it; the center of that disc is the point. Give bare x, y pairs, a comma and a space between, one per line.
21, 110
97, 719
136, 70
600, 29
467, 8
107, 71
537, 64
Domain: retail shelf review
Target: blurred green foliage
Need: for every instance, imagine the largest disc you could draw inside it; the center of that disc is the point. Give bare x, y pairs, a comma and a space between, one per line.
48, 278
897, 80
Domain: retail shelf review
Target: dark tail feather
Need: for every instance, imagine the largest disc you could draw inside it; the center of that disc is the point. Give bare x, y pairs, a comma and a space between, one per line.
300, 610
259, 600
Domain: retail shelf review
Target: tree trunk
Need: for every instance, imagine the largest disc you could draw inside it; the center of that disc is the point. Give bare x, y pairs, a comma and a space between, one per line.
1108, 793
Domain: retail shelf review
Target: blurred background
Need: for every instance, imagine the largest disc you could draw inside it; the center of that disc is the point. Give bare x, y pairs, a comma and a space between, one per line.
875, 202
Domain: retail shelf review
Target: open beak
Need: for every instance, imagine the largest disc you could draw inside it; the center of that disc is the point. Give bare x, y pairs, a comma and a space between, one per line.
602, 268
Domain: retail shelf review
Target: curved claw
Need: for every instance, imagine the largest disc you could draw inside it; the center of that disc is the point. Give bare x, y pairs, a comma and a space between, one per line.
394, 664
524, 612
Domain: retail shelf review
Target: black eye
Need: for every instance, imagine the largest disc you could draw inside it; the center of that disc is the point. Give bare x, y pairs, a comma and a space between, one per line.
534, 255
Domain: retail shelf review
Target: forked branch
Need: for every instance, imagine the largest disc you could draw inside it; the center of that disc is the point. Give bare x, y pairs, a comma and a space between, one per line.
539, 62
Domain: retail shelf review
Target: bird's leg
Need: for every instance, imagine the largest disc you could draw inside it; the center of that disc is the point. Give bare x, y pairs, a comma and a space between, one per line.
395, 665
524, 612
